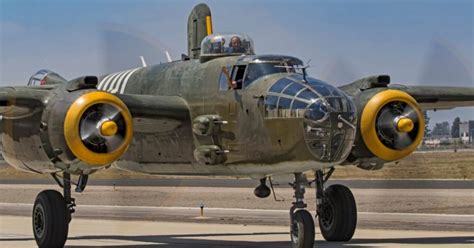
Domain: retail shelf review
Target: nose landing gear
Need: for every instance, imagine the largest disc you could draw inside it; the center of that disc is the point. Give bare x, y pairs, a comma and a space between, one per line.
302, 224
335, 209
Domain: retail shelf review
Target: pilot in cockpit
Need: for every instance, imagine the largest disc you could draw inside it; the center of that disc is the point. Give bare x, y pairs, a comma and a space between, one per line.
235, 45
217, 44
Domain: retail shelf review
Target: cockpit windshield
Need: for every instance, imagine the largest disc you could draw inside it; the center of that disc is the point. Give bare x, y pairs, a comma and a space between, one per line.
267, 65
255, 71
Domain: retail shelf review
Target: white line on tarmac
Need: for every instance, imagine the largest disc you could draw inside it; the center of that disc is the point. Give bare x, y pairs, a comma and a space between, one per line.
5, 204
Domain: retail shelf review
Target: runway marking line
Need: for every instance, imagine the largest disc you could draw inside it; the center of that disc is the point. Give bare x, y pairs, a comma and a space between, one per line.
6, 204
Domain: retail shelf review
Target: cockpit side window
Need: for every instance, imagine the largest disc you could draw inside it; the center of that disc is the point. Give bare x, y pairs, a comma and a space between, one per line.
223, 81
238, 75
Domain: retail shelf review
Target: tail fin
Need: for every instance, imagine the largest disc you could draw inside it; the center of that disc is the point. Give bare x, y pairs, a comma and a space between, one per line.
199, 26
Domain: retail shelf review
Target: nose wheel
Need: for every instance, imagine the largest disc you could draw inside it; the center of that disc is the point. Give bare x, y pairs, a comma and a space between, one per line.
302, 223
302, 229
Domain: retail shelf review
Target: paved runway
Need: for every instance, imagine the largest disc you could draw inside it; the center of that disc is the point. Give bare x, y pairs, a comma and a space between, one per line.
248, 183
166, 216
371, 220
125, 234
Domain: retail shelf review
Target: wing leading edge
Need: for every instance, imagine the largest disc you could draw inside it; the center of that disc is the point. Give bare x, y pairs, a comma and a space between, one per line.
157, 113
439, 98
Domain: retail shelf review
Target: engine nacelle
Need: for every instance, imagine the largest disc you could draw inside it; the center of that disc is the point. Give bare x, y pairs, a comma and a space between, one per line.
73, 127
391, 126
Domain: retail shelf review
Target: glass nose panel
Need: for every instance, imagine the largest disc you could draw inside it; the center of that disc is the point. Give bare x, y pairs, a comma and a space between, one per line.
328, 113
316, 112
293, 89
311, 98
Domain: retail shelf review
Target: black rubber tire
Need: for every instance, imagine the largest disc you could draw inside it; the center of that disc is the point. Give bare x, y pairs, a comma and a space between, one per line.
303, 236
338, 218
50, 219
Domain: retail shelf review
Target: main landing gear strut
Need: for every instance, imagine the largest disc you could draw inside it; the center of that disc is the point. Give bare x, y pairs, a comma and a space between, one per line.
335, 209
52, 212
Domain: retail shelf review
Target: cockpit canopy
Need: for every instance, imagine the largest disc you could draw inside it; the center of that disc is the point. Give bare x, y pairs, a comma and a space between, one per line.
39, 78
226, 44
44, 77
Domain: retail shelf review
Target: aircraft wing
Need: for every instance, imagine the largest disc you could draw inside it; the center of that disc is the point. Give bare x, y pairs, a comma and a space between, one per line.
157, 113
165, 111
19, 101
436, 98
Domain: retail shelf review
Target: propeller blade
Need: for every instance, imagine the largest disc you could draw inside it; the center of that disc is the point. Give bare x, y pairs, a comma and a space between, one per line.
109, 112
124, 46
386, 123
410, 113
445, 65
402, 140
340, 72
113, 142
88, 129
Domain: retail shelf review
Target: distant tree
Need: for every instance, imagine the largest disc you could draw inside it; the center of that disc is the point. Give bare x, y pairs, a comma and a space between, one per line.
427, 122
441, 129
455, 127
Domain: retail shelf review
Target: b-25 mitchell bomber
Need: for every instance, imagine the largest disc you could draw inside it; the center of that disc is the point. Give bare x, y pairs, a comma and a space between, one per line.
221, 110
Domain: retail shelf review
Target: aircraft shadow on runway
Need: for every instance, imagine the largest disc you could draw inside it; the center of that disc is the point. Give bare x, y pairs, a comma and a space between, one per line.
196, 240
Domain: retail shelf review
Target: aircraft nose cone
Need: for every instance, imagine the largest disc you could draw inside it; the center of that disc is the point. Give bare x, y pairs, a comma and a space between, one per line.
108, 128
405, 125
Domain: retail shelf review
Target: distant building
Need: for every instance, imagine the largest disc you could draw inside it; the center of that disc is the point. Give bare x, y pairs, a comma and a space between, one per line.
466, 132
471, 131
432, 143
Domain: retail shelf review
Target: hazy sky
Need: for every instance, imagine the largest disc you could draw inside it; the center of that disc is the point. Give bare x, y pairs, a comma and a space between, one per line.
416, 42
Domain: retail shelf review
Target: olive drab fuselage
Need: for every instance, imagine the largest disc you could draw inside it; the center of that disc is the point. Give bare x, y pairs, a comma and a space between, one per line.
250, 141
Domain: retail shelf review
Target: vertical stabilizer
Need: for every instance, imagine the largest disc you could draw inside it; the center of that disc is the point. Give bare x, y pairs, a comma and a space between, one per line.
199, 26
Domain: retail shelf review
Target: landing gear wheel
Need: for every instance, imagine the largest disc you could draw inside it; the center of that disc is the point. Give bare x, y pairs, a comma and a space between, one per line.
302, 230
50, 219
338, 215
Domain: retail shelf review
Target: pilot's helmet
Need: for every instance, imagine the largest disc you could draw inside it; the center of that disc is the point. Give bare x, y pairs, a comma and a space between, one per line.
217, 44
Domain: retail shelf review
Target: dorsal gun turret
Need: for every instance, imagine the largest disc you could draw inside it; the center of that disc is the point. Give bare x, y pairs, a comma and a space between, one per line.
225, 44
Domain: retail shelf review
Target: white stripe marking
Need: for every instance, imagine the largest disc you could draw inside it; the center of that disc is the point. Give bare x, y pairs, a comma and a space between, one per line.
99, 87
117, 86
111, 79
116, 81
122, 88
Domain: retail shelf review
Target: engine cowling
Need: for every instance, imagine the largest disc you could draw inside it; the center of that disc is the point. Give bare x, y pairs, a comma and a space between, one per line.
391, 126
97, 128
73, 127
